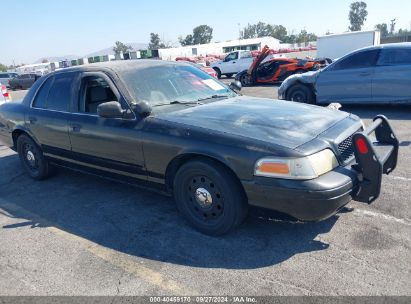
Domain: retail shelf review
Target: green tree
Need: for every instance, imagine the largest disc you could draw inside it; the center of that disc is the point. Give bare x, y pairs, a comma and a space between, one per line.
358, 14
201, 34
305, 37
186, 41
279, 32
121, 48
248, 32
3, 68
383, 28
155, 42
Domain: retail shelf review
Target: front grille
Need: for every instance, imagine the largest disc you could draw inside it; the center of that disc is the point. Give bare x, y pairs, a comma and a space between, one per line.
346, 149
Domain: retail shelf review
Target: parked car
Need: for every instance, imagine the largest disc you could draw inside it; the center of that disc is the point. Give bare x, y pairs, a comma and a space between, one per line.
23, 81
5, 77
233, 63
169, 126
373, 75
275, 70
4, 94
206, 69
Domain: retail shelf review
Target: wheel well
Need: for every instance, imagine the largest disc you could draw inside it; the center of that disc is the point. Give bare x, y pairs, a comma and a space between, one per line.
180, 160
15, 134
308, 85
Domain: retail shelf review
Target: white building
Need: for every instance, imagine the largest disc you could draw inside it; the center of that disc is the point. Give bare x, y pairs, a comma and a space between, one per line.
219, 48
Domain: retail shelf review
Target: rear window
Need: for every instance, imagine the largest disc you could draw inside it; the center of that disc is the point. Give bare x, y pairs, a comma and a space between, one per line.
395, 57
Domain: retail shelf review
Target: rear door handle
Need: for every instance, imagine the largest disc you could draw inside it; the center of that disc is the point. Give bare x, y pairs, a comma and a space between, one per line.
75, 127
32, 119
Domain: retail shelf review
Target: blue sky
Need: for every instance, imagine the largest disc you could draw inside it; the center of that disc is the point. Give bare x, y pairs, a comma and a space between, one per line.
40, 28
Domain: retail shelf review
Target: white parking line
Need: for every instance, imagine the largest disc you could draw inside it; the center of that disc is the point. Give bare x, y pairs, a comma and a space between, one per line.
399, 178
383, 216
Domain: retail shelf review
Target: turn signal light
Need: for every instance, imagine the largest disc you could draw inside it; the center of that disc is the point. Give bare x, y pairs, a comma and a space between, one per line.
276, 168
362, 145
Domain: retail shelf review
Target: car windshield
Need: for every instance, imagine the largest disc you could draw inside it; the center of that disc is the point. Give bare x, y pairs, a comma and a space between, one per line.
177, 84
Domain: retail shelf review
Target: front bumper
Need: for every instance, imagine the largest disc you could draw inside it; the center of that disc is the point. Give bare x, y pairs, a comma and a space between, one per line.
320, 198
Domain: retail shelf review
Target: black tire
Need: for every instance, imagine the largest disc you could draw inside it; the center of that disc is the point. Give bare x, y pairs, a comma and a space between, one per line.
209, 197
217, 70
300, 93
246, 80
32, 158
228, 75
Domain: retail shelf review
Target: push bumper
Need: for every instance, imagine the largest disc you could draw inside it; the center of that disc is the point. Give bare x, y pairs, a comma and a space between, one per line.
320, 198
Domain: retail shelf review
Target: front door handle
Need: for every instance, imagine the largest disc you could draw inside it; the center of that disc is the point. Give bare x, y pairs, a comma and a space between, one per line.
365, 74
75, 127
32, 120
233, 61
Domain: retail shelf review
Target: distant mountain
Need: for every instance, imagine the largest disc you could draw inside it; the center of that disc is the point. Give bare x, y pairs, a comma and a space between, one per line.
57, 58
109, 50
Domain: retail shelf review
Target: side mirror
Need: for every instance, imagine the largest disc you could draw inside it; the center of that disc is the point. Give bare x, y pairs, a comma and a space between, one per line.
111, 109
236, 86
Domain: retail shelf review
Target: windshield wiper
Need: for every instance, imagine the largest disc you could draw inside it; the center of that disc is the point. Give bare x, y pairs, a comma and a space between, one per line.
177, 102
213, 97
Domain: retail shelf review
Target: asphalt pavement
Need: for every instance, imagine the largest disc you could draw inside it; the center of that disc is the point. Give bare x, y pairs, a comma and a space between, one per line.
75, 234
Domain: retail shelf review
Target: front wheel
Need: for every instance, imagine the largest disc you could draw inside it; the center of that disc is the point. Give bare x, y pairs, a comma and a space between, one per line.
32, 158
300, 93
209, 197
246, 80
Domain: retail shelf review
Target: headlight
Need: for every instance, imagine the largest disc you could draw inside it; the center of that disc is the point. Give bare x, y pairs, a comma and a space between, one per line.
308, 167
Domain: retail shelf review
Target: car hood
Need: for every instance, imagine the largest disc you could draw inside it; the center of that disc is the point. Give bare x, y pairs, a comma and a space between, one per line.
283, 123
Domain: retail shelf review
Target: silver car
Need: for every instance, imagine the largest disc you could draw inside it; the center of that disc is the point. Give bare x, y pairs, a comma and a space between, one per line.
5, 77
378, 74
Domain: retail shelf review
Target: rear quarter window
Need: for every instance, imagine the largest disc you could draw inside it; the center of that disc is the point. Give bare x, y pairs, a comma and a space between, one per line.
41, 97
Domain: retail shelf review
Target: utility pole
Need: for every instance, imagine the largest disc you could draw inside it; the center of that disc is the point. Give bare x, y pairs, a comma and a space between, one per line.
239, 34
393, 23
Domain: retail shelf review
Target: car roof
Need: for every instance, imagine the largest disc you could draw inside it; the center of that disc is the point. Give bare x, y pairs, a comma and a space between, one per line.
121, 65
405, 45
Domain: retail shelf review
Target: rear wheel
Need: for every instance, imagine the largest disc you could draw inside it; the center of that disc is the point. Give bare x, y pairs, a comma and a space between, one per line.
300, 93
209, 197
32, 158
217, 70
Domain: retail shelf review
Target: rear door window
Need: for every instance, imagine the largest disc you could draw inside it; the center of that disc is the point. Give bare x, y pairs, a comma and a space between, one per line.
61, 92
365, 59
56, 93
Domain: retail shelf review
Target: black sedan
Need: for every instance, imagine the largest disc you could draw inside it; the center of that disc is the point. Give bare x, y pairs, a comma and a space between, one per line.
172, 127
23, 81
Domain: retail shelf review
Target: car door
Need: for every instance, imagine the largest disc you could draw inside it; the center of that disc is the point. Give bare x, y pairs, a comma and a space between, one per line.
392, 79
229, 64
108, 144
47, 117
25, 81
244, 62
348, 80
